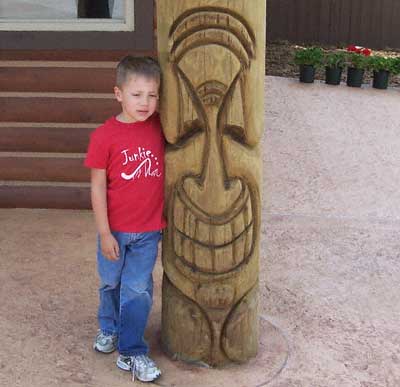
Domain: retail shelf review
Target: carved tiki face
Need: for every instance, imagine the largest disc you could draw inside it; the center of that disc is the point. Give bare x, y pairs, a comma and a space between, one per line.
213, 164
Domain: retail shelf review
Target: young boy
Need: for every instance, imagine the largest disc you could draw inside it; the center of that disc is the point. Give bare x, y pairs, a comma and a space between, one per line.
126, 157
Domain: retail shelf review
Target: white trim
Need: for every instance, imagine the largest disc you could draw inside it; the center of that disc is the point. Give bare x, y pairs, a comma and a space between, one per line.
74, 24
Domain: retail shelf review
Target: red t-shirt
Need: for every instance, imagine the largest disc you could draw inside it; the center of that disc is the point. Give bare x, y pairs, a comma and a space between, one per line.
133, 156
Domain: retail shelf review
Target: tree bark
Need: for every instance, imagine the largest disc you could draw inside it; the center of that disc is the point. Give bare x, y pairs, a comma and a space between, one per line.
212, 55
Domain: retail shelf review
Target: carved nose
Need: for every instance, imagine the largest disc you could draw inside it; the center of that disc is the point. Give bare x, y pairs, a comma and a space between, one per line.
213, 192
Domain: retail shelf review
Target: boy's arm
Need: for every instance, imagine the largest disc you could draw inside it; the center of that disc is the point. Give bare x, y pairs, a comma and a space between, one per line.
109, 246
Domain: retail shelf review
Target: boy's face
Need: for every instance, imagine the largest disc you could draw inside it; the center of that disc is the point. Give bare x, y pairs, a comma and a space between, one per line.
138, 97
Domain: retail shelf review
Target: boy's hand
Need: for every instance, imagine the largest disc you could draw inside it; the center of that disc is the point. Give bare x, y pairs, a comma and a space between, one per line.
109, 247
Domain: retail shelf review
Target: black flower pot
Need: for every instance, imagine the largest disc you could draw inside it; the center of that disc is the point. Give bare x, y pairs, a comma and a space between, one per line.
307, 73
355, 77
381, 79
333, 75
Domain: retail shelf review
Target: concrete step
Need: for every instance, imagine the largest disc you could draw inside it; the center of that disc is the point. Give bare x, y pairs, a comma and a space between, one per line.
54, 167
46, 137
17, 194
34, 76
57, 107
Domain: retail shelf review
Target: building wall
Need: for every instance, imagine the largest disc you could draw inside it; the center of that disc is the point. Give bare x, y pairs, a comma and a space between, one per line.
140, 40
370, 23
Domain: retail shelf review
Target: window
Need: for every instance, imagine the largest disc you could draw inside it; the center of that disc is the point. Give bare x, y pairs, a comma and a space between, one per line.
67, 15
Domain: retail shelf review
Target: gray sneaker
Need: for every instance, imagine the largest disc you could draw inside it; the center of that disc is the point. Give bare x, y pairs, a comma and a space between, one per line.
125, 362
142, 367
105, 343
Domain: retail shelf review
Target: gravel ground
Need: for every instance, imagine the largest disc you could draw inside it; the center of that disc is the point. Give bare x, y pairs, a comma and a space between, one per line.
280, 54
329, 261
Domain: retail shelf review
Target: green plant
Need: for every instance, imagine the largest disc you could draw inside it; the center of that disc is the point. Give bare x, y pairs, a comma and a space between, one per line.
382, 63
335, 59
357, 57
396, 66
311, 56
357, 61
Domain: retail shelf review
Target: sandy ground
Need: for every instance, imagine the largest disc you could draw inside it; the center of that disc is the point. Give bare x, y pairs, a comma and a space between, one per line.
330, 267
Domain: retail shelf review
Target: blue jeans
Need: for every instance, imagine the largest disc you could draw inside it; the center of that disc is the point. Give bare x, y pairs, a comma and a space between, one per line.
126, 290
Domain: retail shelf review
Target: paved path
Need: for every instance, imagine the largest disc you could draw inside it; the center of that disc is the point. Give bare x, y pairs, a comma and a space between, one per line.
331, 232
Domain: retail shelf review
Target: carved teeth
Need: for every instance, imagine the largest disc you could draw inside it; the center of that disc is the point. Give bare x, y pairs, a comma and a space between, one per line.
178, 243
179, 214
212, 247
249, 241
188, 250
223, 260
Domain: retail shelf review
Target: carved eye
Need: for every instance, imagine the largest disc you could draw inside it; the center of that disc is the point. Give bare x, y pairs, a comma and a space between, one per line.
191, 116
237, 133
232, 117
190, 130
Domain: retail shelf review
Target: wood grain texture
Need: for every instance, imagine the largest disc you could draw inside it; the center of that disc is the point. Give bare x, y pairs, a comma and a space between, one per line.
72, 55
53, 109
49, 168
30, 138
45, 196
212, 55
57, 79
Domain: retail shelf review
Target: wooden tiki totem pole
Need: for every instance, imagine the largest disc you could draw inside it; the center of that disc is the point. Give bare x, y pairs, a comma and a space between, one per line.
212, 109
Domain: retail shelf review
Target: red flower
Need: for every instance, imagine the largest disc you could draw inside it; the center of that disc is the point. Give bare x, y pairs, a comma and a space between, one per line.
366, 51
359, 50
352, 48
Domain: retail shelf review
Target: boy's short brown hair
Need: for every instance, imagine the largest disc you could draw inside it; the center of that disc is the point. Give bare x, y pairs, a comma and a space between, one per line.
133, 65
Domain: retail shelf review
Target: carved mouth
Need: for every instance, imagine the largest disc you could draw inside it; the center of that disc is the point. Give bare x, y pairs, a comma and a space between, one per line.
213, 244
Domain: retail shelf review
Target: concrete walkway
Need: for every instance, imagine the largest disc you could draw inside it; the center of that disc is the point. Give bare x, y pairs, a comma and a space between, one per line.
330, 261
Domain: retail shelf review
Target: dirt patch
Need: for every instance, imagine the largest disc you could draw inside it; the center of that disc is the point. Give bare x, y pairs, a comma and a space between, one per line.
280, 55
